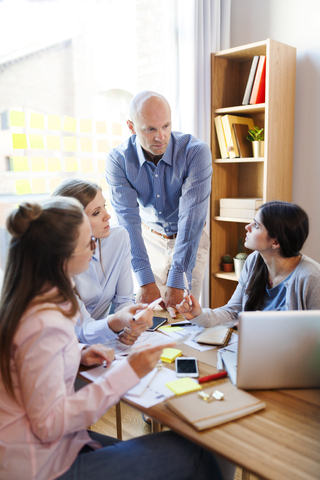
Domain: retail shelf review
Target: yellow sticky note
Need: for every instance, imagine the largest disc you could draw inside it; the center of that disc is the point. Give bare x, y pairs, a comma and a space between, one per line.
170, 329
19, 141
53, 183
20, 164
101, 127
54, 122
117, 129
23, 186
71, 164
17, 119
38, 164
102, 146
70, 144
101, 166
86, 144
54, 164
183, 385
169, 354
38, 185
36, 142
53, 142
115, 143
86, 165
36, 120
70, 124
85, 126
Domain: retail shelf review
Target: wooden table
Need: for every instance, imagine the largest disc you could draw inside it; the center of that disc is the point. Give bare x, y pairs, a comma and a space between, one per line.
281, 442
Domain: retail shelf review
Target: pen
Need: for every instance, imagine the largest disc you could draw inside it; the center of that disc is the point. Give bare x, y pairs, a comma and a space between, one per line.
186, 286
187, 324
151, 306
215, 376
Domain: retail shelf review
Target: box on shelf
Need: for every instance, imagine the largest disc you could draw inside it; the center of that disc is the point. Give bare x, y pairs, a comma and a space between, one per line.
251, 203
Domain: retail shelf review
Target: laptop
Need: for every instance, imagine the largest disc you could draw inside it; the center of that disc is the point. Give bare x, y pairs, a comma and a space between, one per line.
279, 349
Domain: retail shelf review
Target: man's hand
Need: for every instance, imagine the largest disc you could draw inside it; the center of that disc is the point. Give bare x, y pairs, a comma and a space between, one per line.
148, 293
173, 297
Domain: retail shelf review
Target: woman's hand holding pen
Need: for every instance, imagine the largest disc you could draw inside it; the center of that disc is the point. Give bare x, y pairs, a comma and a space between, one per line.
189, 307
143, 361
97, 355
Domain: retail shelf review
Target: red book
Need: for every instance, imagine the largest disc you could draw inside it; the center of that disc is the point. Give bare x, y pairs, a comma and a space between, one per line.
258, 94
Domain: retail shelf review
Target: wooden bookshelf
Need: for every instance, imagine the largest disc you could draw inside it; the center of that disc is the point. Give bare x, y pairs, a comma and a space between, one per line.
269, 177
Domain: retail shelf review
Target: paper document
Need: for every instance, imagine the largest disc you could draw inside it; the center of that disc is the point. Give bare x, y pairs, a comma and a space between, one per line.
227, 358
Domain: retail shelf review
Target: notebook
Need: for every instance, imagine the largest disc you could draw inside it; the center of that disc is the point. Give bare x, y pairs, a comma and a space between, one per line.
201, 414
215, 336
279, 349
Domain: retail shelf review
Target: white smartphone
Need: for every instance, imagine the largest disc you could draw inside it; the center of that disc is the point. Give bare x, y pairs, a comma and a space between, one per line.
187, 367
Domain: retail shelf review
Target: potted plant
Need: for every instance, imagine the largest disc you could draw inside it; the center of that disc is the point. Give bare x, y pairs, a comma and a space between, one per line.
240, 258
227, 263
256, 136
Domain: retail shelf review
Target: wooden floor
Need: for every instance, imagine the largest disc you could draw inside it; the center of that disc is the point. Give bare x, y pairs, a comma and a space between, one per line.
132, 426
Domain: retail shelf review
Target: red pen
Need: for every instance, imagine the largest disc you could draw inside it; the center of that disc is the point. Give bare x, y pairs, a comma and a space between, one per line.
215, 376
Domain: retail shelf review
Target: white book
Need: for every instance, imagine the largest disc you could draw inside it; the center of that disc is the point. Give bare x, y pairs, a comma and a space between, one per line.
243, 203
237, 212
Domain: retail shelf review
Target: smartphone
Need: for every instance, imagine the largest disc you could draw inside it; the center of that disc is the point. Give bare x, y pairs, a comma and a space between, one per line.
187, 367
157, 322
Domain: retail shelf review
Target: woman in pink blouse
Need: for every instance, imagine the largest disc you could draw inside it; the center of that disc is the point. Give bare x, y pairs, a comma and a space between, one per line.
43, 420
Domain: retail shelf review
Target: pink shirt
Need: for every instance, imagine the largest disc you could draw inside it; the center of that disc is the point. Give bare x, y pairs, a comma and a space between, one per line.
42, 432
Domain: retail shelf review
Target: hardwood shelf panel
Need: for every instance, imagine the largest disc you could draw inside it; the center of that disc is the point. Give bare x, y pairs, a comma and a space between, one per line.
227, 276
244, 53
233, 219
258, 108
239, 160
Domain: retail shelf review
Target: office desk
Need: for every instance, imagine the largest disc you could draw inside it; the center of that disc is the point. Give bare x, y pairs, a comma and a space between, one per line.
281, 442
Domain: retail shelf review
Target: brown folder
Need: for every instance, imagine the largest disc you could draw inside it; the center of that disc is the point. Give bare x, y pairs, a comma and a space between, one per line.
201, 414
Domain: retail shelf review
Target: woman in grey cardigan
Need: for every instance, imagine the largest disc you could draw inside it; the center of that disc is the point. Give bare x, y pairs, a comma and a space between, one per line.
276, 276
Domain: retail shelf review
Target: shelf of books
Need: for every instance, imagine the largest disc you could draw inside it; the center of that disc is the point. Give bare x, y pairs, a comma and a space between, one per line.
251, 86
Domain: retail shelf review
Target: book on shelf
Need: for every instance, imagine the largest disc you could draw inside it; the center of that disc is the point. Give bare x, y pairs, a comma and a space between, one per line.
247, 93
244, 203
238, 212
202, 414
227, 122
258, 93
221, 137
244, 145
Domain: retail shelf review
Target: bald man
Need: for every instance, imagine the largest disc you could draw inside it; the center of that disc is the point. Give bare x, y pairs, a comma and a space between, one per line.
160, 183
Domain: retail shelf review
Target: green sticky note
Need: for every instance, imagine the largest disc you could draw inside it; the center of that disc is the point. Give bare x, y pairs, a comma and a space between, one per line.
70, 124
17, 119
183, 385
20, 164
19, 141
36, 142
36, 120
38, 164
70, 144
23, 186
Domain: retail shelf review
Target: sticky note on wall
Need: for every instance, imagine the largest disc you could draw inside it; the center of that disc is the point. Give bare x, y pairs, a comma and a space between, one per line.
38, 164
53, 183
38, 185
19, 141
36, 142
17, 119
36, 120
86, 165
117, 129
23, 186
102, 146
20, 164
54, 122
70, 124
86, 144
53, 142
71, 164
54, 164
101, 127
85, 126
70, 144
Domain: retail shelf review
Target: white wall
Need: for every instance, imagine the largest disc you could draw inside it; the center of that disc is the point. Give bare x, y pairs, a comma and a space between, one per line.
295, 23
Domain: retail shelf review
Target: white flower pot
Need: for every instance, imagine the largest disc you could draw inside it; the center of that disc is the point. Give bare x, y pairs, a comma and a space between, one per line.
238, 265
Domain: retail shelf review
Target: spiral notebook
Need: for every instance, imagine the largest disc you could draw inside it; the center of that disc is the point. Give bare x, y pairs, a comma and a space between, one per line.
201, 414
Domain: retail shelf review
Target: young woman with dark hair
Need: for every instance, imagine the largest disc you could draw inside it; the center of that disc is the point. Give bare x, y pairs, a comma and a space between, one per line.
276, 276
43, 420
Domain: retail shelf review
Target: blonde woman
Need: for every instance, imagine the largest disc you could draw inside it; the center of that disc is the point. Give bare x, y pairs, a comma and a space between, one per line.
108, 280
